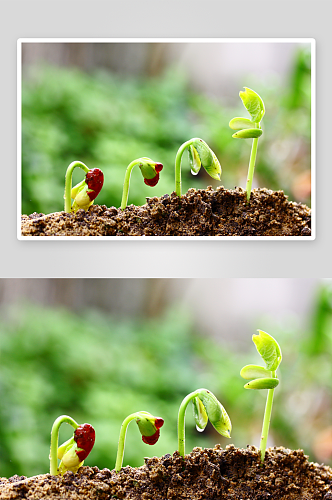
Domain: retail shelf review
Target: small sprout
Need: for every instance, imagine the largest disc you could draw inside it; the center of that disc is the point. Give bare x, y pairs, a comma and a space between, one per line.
149, 426
250, 129
85, 192
73, 452
199, 155
264, 377
206, 407
150, 171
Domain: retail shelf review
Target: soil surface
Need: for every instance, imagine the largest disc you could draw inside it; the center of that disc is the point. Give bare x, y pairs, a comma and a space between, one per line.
215, 473
203, 212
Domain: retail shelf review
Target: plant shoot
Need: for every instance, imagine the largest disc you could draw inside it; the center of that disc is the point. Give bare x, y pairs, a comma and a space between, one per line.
150, 171
264, 378
85, 192
199, 155
206, 407
250, 129
73, 452
149, 426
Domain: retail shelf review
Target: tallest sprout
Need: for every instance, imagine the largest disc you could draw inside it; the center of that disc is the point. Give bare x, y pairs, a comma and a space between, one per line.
250, 129
264, 378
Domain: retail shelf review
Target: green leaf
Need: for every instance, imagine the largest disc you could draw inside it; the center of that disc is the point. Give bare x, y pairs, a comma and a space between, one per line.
200, 415
262, 383
269, 349
253, 103
194, 160
250, 372
203, 151
208, 159
216, 412
239, 123
249, 133
145, 422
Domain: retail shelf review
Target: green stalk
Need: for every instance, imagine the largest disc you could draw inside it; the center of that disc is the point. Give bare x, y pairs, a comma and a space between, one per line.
266, 421
55, 439
181, 421
178, 166
68, 182
252, 161
122, 439
126, 184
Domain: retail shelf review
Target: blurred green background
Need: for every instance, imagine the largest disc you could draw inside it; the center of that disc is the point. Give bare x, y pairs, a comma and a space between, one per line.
99, 350
107, 114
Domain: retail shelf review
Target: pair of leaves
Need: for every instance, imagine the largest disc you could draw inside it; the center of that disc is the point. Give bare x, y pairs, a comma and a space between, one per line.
249, 129
260, 377
201, 155
207, 407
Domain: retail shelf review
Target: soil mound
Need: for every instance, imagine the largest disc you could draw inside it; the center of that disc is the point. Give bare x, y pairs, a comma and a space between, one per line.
204, 474
203, 212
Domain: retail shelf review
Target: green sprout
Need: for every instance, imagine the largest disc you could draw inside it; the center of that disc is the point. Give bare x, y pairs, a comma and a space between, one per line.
264, 378
206, 406
199, 154
149, 427
250, 129
85, 192
150, 171
73, 452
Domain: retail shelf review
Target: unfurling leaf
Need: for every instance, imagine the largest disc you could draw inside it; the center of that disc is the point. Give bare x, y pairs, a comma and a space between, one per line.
253, 103
215, 412
269, 349
206, 157
194, 160
200, 415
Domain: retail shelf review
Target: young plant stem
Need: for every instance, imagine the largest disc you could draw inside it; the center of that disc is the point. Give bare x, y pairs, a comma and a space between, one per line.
252, 162
55, 440
178, 166
181, 421
266, 421
126, 181
68, 182
122, 439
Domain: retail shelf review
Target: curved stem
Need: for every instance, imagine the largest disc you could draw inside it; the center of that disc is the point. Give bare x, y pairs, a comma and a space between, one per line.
178, 166
126, 182
122, 439
252, 164
266, 421
181, 421
55, 439
68, 182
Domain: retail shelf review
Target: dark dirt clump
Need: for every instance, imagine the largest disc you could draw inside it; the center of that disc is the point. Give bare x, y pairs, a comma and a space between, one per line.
203, 212
204, 474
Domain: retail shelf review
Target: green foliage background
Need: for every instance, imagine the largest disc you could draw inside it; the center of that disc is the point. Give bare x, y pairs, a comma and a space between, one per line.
107, 121
99, 369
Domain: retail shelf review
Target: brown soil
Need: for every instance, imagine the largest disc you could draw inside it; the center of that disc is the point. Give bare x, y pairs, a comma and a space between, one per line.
212, 474
200, 212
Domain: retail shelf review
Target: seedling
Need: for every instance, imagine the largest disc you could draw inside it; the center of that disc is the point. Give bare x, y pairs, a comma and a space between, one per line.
149, 427
250, 129
206, 406
150, 171
264, 378
199, 154
85, 192
73, 452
